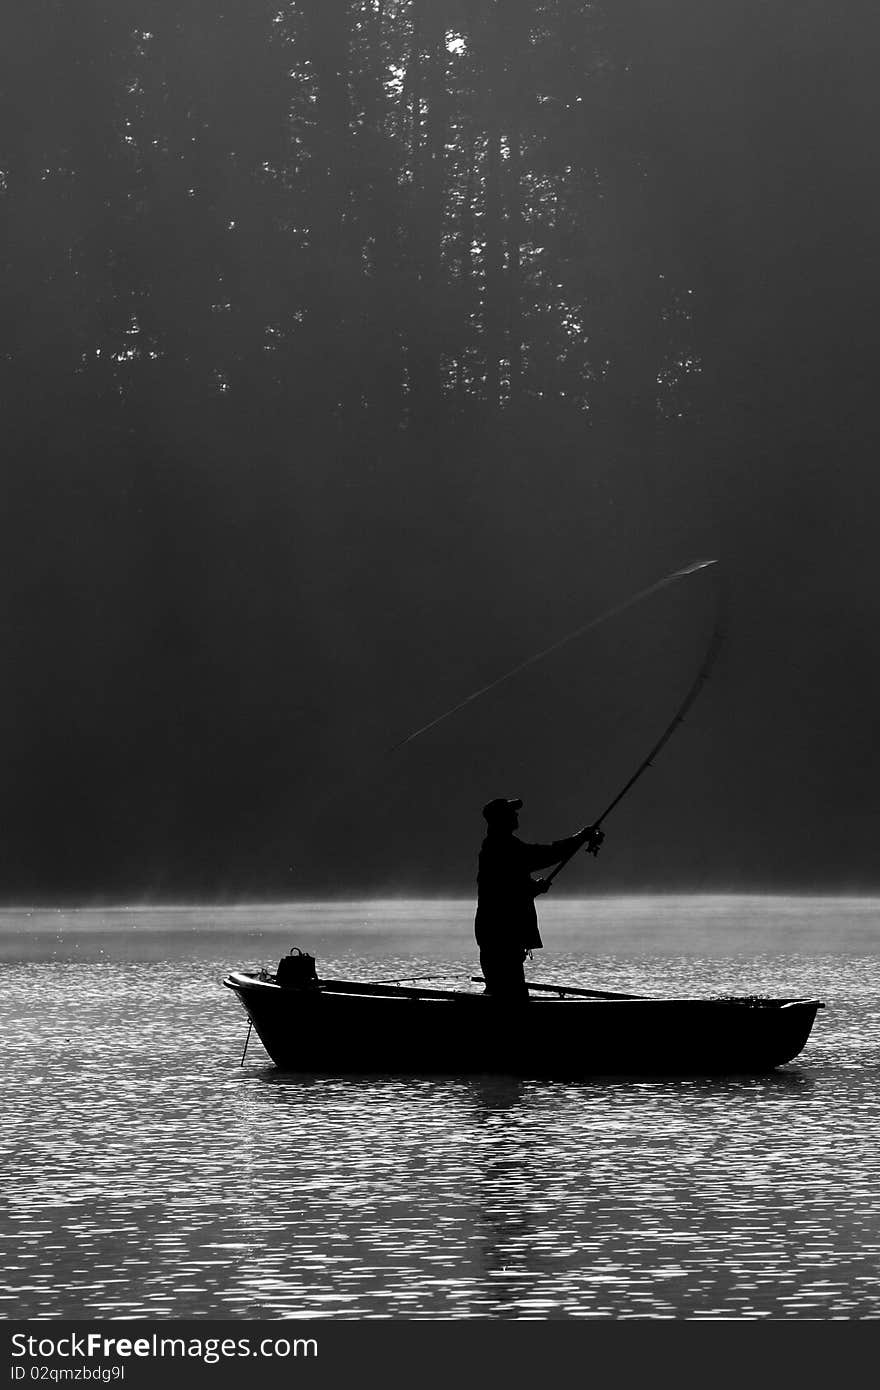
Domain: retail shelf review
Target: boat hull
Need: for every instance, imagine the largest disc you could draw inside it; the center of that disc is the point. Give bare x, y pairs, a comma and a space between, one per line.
319, 1030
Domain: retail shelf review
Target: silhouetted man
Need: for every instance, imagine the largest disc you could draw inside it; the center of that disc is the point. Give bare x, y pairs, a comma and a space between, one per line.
506, 925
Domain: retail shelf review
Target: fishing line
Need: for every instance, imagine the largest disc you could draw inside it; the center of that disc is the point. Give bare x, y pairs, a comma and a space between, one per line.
554, 647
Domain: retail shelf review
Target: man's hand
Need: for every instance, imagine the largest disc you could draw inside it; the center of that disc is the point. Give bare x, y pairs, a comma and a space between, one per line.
592, 837
539, 886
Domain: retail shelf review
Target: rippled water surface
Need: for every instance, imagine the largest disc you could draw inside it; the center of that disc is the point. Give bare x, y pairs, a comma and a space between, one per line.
146, 1173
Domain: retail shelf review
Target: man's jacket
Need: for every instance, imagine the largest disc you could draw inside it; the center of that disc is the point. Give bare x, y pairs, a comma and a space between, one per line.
506, 914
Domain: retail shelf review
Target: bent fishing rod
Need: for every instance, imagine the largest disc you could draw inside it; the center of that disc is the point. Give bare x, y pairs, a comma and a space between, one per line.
715, 642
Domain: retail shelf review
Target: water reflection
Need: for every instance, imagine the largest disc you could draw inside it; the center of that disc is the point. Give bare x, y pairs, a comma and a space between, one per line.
148, 1174
491, 1094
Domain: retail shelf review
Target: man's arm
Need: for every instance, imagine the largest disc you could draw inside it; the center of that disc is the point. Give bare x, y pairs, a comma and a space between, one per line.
591, 836
542, 856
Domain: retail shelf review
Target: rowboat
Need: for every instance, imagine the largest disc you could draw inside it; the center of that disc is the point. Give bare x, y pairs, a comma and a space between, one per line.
308, 1024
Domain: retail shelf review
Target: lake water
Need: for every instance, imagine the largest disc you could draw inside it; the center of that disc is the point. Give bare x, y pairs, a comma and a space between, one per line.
147, 1174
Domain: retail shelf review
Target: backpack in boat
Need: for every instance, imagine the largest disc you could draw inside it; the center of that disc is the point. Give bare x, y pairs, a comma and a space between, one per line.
296, 970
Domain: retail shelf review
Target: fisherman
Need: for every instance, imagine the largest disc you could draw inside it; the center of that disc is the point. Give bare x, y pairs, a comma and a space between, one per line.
506, 925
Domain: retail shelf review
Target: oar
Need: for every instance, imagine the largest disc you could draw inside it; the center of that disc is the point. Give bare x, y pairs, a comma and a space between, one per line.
391, 991
571, 989
407, 979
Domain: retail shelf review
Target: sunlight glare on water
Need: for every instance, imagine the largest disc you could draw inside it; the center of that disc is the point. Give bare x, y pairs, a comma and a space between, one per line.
149, 1175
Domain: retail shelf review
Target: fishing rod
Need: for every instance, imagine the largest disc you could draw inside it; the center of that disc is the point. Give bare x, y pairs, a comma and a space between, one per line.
554, 647
699, 681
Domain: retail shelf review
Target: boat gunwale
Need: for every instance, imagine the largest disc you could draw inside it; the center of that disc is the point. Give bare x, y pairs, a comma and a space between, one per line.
242, 982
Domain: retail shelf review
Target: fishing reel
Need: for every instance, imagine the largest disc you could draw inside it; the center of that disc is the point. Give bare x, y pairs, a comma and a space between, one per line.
594, 841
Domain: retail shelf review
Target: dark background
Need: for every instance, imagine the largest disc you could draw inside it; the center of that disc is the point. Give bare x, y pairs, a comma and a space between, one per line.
353, 351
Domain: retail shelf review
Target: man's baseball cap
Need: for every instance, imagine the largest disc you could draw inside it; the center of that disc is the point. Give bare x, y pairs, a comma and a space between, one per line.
500, 806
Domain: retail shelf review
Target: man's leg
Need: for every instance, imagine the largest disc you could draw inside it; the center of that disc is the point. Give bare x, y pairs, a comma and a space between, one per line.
504, 975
